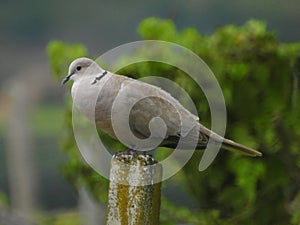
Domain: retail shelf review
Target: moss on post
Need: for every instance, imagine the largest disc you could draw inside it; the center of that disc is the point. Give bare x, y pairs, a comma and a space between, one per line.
134, 190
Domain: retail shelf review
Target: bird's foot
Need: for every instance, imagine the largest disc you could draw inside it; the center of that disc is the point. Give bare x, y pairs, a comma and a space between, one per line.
135, 156
129, 152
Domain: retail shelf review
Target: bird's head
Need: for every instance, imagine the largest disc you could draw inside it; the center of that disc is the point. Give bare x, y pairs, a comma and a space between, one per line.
81, 67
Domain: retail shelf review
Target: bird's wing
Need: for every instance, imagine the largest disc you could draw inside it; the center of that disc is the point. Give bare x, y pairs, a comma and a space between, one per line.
146, 102
150, 102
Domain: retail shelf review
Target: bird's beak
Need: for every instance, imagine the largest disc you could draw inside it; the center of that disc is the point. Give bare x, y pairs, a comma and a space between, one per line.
66, 79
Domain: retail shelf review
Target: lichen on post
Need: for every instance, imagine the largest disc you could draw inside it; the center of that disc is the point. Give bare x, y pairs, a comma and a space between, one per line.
134, 190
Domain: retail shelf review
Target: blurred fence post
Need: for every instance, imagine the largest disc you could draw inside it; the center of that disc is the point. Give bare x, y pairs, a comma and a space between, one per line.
19, 152
91, 212
134, 190
11, 217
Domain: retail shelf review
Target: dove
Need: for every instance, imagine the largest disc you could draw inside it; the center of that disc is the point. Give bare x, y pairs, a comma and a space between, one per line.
99, 94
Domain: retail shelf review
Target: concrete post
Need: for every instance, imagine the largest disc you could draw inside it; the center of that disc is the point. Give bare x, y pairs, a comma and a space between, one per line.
134, 191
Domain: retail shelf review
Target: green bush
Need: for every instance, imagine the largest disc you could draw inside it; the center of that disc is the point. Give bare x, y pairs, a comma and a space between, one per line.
259, 76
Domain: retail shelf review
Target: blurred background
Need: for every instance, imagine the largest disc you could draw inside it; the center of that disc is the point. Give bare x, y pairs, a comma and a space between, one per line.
32, 102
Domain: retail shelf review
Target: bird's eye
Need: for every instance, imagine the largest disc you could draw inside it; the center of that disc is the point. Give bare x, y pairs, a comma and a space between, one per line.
78, 68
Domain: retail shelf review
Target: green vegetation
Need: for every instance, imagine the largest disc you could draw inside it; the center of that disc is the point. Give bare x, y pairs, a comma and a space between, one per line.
43, 117
259, 77
65, 218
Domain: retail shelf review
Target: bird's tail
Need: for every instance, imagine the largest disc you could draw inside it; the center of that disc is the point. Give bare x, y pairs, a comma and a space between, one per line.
236, 147
230, 145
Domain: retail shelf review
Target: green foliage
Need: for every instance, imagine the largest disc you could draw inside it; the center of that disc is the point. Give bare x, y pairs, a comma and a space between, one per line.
3, 199
61, 54
65, 218
171, 214
75, 170
259, 77
42, 120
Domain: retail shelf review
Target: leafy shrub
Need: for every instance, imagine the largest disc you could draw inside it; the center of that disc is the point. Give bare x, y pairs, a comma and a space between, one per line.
259, 76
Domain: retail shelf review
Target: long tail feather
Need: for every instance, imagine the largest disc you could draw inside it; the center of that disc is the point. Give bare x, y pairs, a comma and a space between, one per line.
236, 147
229, 144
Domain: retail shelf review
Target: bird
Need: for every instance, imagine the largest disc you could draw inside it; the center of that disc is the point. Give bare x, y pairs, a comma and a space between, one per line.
95, 93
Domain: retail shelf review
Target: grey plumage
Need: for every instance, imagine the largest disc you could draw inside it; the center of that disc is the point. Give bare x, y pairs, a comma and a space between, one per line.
95, 91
